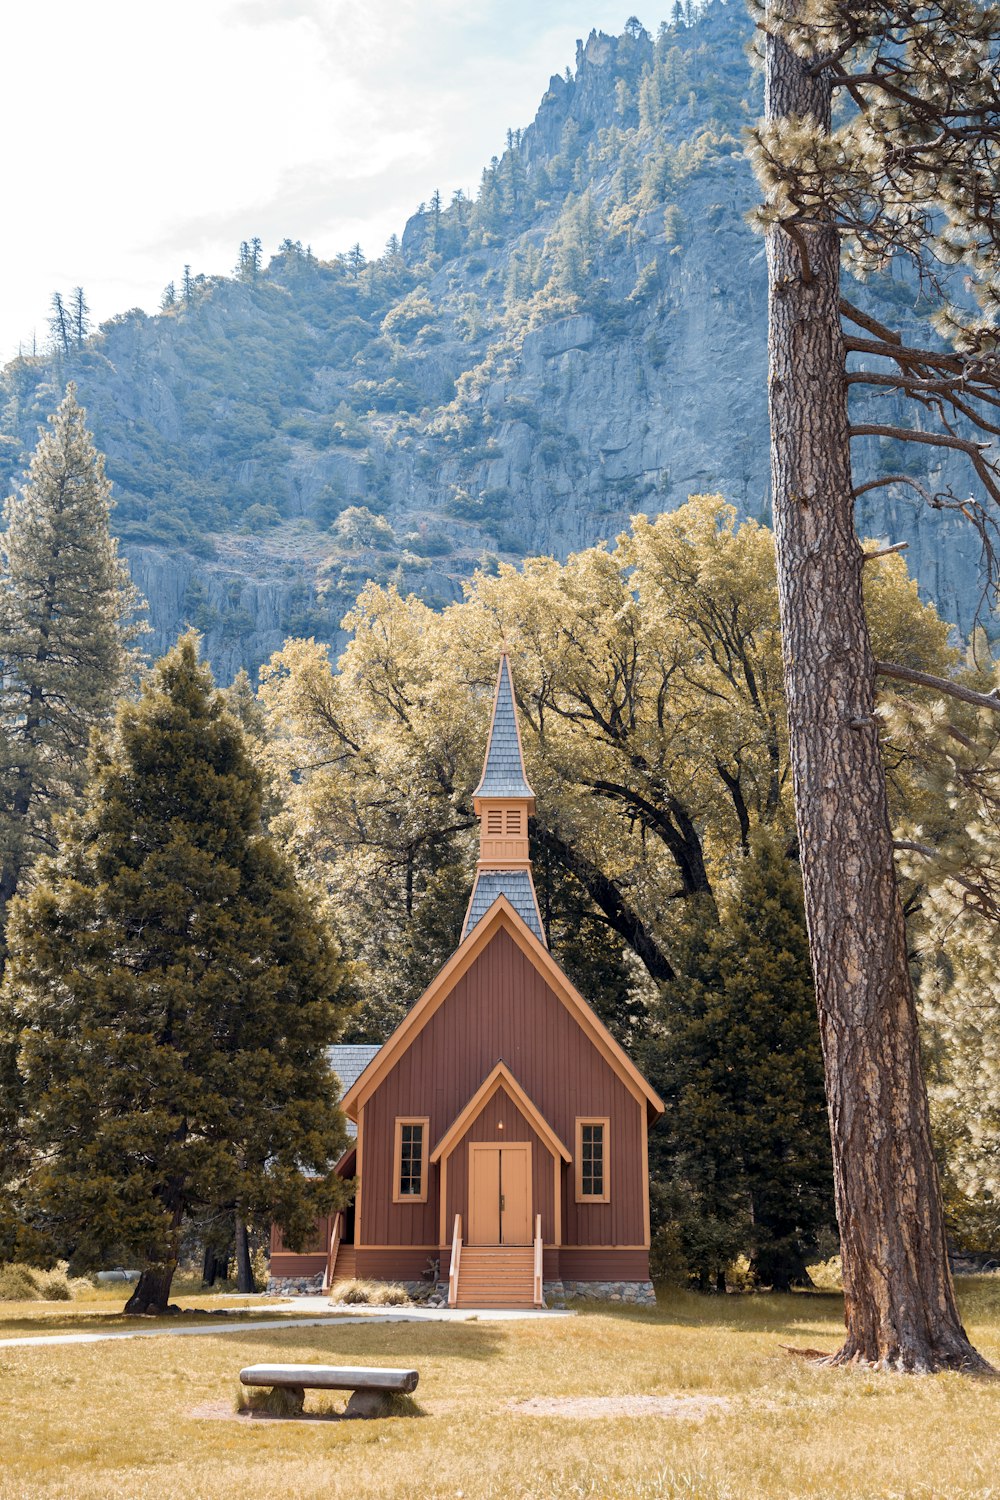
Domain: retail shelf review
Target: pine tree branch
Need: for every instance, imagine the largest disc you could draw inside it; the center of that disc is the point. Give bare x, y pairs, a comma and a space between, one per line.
916, 385
939, 685
865, 320
798, 239
884, 551
874, 484
984, 897
914, 435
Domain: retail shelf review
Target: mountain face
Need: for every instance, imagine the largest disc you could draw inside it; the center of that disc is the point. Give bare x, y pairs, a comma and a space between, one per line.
520, 373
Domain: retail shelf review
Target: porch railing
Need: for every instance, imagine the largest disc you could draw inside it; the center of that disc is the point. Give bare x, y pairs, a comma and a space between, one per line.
539, 1297
456, 1257
336, 1231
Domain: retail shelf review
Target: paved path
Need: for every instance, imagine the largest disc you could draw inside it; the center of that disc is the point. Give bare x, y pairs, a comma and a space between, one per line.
373, 1314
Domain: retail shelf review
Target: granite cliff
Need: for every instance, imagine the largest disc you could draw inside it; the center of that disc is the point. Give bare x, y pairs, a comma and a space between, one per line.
519, 373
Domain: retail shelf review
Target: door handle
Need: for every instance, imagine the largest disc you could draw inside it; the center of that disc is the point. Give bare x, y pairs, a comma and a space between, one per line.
502, 1203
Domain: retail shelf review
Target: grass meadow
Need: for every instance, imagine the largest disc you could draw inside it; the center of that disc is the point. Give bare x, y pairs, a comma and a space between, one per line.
153, 1419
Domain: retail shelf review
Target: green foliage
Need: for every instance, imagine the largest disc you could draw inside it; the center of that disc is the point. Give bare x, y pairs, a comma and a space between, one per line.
734, 1051
67, 609
358, 527
172, 991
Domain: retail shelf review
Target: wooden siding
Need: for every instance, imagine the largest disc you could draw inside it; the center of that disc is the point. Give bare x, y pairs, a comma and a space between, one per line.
502, 1009
405, 1264
501, 1110
603, 1265
284, 1263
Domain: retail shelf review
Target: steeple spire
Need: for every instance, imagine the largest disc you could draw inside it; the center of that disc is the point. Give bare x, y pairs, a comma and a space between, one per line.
504, 801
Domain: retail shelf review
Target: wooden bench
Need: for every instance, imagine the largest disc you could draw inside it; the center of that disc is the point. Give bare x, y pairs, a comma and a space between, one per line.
370, 1387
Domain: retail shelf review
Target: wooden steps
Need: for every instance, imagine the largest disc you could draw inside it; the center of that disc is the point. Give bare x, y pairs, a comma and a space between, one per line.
344, 1269
496, 1276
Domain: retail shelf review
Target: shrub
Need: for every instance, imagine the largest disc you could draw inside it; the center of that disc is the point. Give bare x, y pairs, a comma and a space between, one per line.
428, 543
21, 1283
17, 1284
359, 1293
826, 1275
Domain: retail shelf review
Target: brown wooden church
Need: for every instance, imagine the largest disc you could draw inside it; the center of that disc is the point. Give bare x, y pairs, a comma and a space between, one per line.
500, 1131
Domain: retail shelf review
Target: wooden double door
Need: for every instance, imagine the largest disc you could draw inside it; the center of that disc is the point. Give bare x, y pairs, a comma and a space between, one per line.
499, 1193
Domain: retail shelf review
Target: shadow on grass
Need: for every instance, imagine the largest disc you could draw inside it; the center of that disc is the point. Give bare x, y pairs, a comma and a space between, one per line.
738, 1312
381, 1341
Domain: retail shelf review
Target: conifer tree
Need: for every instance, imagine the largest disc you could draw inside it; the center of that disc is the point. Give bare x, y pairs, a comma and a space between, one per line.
736, 1053
878, 144
59, 325
67, 620
80, 316
173, 992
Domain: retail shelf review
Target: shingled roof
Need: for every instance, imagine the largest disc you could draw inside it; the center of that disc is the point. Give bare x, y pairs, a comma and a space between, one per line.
349, 1062
519, 889
503, 770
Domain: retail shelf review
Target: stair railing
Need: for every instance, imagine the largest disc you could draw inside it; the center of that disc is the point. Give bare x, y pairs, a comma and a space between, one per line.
331, 1259
456, 1257
539, 1298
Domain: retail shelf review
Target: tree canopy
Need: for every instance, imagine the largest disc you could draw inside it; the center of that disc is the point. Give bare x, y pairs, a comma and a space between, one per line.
171, 990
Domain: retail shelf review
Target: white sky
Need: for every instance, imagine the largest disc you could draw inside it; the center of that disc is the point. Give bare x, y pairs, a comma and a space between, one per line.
140, 136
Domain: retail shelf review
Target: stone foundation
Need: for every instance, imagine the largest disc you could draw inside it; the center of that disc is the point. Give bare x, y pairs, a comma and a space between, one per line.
632, 1293
295, 1286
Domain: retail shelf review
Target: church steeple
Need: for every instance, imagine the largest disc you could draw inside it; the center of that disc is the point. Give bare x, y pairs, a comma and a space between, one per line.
504, 801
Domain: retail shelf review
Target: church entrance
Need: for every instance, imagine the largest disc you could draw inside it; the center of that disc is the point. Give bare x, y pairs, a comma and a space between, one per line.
499, 1193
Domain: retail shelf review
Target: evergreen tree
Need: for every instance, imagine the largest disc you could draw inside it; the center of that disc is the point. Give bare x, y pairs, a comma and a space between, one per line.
435, 214
877, 147
67, 609
736, 1054
174, 992
59, 325
80, 317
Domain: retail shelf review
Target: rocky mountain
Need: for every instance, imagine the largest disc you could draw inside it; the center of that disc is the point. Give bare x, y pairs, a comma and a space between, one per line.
519, 373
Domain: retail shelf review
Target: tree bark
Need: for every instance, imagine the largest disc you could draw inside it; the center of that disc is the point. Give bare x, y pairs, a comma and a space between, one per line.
900, 1308
152, 1290
244, 1270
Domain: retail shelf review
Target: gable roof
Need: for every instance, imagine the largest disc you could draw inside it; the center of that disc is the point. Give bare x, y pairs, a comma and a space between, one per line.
501, 917
500, 1078
519, 889
503, 769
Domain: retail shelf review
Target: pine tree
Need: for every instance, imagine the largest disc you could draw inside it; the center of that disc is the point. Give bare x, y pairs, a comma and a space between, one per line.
80, 317
878, 147
736, 1052
59, 325
174, 991
67, 619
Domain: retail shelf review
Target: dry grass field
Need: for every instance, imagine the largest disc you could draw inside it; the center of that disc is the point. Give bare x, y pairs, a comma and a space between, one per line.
152, 1419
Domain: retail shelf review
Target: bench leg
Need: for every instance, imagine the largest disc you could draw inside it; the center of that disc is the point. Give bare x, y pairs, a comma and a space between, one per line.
368, 1404
282, 1401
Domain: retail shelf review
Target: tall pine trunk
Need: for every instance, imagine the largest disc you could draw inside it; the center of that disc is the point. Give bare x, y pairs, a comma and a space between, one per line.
244, 1269
900, 1305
